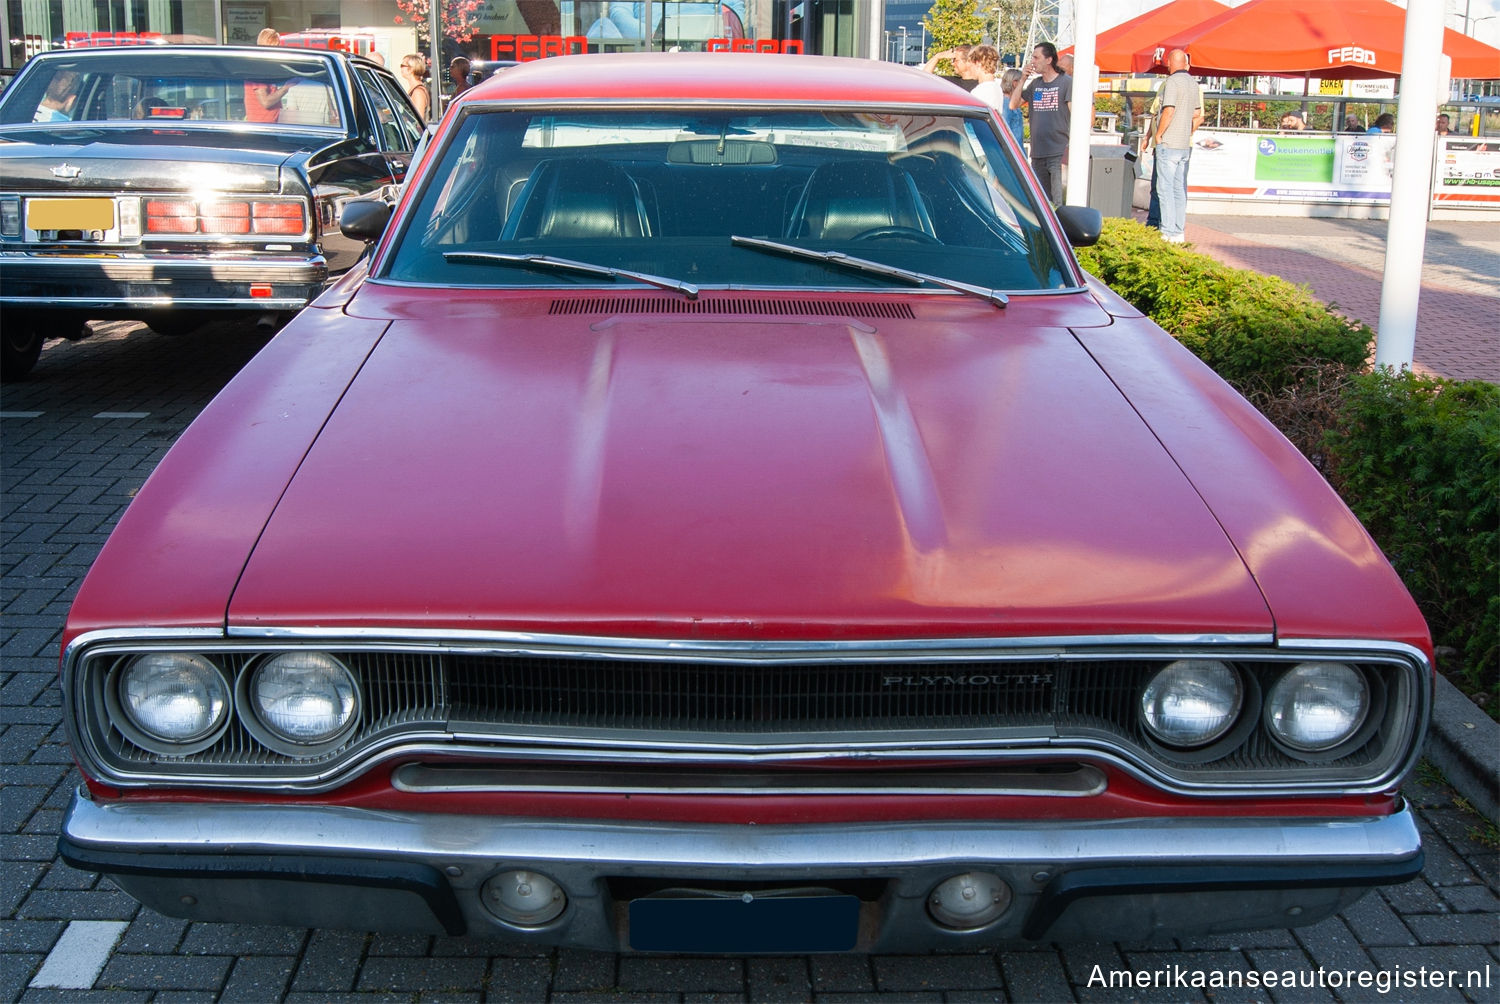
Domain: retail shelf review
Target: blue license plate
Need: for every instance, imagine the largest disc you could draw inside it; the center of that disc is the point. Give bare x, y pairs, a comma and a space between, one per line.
745, 924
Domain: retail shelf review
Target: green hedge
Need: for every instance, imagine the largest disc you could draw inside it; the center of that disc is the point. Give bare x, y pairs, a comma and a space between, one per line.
1417, 459
1258, 332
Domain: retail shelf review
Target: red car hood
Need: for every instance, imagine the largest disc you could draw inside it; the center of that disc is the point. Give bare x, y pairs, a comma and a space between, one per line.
968, 471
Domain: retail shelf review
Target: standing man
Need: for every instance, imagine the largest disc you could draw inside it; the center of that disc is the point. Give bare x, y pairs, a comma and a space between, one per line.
1181, 113
1050, 95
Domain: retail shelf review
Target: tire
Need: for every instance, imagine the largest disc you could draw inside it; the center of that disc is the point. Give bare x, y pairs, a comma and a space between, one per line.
20, 347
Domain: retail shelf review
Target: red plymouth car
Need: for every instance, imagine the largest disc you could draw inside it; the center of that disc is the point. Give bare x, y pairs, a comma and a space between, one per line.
721, 516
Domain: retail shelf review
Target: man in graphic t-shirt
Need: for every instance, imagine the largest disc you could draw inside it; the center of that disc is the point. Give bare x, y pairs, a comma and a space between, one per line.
1050, 97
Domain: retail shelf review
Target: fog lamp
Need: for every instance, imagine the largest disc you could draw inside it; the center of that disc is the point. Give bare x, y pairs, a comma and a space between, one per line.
969, 901
1317, 705
1191, 702
174, 697
306, 698
525, 899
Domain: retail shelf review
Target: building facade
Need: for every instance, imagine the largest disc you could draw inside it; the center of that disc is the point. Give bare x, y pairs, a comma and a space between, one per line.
482, 30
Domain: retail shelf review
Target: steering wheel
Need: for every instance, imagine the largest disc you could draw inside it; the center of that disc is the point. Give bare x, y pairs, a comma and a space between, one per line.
896, 233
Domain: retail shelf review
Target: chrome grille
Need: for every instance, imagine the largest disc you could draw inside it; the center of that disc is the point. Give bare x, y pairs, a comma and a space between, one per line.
704, 697
635, 707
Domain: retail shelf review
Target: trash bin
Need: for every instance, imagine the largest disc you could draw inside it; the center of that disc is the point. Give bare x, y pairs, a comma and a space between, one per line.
1112, 179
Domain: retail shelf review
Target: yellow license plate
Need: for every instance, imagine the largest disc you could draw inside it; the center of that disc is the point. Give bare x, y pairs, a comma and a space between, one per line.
70, 214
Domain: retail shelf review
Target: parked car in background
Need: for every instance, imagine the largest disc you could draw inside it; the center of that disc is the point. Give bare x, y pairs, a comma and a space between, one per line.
721, 516
171, 184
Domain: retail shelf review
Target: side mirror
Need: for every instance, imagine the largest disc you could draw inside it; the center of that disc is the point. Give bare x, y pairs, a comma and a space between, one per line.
1082, 224
364, 220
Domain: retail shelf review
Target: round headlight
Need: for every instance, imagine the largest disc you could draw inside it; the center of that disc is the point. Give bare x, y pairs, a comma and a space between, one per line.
305, 698
1317, 705
1191, 702
174, 697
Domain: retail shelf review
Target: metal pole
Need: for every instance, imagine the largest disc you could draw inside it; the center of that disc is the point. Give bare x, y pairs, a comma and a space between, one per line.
1411, 187
434, 29
1081, 118
905, 52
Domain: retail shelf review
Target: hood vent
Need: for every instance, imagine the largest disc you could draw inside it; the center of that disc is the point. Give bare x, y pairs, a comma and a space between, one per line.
731, 305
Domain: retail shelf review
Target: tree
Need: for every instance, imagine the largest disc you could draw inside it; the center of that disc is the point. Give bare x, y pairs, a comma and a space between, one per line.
1012, 18
951, 23
458, 18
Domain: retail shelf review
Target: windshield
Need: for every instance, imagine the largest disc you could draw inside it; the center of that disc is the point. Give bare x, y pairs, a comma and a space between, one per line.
160, 85
676, 194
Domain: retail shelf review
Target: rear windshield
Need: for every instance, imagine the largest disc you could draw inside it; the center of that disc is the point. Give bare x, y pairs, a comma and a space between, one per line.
161, 85
696, 196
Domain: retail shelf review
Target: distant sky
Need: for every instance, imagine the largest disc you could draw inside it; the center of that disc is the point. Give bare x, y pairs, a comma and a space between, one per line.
1484, 15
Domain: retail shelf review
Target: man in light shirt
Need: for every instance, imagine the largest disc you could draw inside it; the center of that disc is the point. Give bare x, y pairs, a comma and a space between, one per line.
1181, 113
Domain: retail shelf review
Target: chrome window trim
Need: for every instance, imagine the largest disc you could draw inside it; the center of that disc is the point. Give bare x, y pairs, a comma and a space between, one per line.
1032, 743
740, 288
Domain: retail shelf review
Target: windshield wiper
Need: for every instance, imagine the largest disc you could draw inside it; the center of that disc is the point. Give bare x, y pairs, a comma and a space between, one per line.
547, 263
838, 259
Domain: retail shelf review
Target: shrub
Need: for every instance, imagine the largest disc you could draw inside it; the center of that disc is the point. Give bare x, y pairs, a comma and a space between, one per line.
1418, 460
1258, 332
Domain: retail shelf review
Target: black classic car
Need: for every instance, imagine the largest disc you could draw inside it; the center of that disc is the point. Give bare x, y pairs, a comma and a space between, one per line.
172, 184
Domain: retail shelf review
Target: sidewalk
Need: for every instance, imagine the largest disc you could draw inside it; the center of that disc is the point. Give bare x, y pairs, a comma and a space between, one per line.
1341, 261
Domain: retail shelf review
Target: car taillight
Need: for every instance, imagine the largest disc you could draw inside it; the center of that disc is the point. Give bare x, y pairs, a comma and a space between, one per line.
171, 216
224, 217
277, 218
282, 217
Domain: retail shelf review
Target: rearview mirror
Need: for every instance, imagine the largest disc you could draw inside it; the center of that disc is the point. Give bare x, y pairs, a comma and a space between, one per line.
364, 220
1082, 224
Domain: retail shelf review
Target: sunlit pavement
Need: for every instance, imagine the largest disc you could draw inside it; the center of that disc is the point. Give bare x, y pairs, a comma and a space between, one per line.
1342, 261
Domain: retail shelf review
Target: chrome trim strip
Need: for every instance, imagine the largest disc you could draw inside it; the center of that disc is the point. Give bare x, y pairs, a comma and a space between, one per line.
533, 643
640, 847
422, 778
152, 302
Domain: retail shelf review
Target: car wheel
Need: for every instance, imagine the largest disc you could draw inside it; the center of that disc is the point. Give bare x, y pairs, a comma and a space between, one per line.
175, 324
20, 346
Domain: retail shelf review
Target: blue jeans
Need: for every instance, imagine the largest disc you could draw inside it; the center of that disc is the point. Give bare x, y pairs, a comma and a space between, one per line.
1171, 189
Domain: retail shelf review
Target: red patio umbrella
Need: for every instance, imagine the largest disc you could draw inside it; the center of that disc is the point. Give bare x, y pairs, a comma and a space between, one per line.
1332, 39
1116, 47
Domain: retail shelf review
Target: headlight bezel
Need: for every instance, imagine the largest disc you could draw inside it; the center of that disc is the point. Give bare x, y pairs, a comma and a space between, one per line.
137, 732
253, 717
1373, 714
1241, 725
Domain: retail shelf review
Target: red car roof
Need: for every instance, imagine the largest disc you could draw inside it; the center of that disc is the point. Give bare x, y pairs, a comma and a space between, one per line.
719, 76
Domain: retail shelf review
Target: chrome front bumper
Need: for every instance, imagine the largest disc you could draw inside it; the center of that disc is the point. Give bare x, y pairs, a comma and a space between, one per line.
317, 866
125, 283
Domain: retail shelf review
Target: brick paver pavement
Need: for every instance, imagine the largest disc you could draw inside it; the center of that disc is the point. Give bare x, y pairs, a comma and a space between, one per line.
1341, 261
78, 440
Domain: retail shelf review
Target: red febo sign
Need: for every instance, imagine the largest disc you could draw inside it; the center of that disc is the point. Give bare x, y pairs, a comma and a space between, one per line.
524, 48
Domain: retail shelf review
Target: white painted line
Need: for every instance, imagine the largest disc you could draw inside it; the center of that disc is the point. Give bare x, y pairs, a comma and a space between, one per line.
123, 414
78, 958
20, 414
